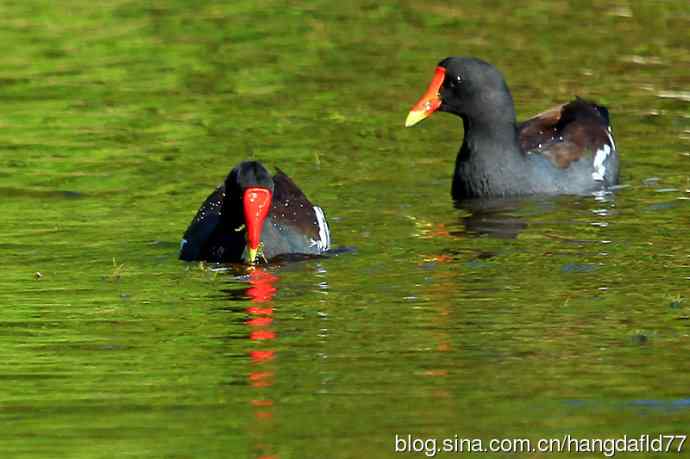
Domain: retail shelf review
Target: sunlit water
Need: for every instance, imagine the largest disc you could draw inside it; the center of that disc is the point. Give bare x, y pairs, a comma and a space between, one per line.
524, 318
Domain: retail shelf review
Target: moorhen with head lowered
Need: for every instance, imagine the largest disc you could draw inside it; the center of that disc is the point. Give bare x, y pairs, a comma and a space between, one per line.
568, 149
254, 216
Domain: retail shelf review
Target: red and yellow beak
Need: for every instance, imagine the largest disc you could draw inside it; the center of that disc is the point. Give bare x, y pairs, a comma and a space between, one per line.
257, 203
430, 101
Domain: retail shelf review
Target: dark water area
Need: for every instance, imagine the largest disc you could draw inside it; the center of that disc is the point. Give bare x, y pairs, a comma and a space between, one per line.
523, 318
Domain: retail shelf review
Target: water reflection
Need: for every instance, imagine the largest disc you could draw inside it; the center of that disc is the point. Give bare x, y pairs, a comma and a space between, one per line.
252, 292
262, 288
506, 218
492, 217
260, 292
259, 287
496, 217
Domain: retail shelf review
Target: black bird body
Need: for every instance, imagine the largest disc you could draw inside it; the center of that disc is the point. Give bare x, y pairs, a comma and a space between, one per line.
293, 224
568, 149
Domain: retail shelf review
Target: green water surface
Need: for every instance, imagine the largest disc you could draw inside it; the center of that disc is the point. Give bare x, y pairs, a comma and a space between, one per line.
531, 318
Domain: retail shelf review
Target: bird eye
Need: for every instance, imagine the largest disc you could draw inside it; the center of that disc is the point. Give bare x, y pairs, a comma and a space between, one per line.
455, 82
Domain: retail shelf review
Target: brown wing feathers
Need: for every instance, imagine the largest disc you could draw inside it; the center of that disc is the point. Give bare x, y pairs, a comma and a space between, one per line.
291, 207
567, 132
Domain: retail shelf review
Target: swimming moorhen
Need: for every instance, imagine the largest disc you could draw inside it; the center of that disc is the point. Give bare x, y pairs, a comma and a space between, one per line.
568, 149
254, 216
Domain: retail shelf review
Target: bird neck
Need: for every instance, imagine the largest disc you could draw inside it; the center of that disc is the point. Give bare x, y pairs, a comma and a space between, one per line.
489, 158
490, 137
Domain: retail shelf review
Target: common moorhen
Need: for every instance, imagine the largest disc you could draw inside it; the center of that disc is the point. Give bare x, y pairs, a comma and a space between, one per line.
254, 216
568, 149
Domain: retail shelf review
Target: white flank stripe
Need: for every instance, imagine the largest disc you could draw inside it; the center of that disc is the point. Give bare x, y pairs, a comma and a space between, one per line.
324, 242
613, 145
600, 156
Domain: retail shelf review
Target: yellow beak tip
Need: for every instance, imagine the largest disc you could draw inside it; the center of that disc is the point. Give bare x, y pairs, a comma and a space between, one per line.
414, 117
251, 255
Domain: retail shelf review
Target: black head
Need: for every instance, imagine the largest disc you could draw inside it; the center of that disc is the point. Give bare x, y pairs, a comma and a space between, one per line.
467, 87
472, 87
248, 199
249, 174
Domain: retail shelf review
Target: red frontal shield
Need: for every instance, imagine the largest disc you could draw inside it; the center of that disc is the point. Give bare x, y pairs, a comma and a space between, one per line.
257, 204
